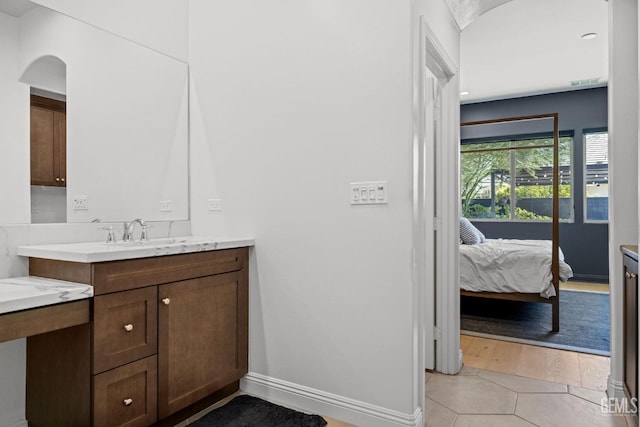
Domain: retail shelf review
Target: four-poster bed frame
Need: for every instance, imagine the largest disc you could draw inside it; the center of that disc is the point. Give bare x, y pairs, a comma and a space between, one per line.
555, 242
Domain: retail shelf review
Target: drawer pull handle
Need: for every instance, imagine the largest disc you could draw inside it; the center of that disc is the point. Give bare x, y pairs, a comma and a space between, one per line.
128, 327
166, 301
127, 402
630, 275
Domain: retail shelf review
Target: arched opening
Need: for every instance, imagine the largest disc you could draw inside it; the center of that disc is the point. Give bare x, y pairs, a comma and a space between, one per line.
47, 77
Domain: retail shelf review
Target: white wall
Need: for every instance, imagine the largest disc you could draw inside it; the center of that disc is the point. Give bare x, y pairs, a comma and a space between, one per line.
623, 162
292, 101
12, 392
158, 24
14, 128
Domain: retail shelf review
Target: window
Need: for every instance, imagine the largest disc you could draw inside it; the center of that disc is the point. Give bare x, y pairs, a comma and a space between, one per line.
596, 176
509, 181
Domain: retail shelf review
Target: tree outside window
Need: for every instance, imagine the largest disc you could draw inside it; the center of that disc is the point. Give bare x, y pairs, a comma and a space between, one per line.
501, 182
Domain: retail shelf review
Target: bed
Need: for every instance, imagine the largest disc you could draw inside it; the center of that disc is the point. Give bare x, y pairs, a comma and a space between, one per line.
520, 270
506, 265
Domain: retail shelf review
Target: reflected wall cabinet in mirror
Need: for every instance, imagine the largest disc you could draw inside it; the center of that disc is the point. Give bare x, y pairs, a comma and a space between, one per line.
48, 142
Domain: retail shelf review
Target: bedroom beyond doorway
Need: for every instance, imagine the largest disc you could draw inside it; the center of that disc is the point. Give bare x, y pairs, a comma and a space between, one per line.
585, 319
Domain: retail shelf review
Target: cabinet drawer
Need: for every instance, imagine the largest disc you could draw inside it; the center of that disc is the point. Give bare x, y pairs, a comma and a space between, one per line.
126, 396
124, 327
136, 273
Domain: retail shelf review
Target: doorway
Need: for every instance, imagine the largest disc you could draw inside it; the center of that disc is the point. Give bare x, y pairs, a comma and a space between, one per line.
623, 227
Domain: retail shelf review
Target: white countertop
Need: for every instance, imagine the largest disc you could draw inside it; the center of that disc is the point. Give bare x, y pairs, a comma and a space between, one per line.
100, 251
22, 293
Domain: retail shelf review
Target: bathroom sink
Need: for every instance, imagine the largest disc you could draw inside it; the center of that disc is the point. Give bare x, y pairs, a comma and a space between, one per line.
151, 242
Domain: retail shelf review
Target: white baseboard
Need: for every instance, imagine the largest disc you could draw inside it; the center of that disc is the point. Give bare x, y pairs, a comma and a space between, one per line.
615, 388
311, 400
460, 361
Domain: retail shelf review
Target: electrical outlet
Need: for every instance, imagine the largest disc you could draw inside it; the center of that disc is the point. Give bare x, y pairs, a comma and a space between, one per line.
214, 205
166, 205
80, 203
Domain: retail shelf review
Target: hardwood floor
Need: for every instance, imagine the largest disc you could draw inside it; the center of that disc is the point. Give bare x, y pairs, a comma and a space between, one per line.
548, 364
335, 423
601, 288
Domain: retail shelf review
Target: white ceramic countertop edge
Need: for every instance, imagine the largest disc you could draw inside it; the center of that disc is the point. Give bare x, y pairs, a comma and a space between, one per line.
23, 293
99, 251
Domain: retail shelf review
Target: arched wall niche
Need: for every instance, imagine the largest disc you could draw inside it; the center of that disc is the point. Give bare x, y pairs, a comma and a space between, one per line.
48, 73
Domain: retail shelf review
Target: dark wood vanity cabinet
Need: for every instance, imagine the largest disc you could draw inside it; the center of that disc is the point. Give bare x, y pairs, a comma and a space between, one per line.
48, 142
630, 328
166, 332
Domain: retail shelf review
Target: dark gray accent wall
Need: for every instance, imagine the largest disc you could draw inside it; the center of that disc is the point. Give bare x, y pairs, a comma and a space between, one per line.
585, 246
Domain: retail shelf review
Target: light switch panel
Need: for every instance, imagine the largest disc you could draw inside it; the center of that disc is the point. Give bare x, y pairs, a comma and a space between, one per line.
80, 203
369, 193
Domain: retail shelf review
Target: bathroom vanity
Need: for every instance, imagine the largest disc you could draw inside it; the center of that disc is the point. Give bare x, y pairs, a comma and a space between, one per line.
168, 328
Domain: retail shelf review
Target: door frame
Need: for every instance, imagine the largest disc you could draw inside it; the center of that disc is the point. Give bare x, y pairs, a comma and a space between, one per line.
435, 213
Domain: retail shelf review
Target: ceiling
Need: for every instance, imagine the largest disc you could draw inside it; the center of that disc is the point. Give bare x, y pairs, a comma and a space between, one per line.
516, 48
16, 8
529, 47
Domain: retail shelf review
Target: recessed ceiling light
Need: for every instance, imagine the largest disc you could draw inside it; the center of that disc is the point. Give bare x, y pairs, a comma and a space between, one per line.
464, 92
589, 36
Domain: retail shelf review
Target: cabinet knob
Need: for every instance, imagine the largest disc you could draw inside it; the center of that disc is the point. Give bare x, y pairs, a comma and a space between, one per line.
128, 327
127, 402
630, 275
166, 301
62, 179
57, 179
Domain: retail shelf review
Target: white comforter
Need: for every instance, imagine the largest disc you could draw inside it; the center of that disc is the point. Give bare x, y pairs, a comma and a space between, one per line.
503, 265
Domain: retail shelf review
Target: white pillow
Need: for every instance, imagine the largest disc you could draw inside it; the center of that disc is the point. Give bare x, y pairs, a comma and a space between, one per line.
469, 234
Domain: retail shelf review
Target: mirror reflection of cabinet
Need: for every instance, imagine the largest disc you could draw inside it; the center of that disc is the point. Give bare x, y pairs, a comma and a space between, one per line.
127, 140
48, 142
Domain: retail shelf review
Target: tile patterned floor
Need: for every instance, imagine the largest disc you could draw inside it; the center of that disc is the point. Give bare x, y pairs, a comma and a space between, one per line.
480, 398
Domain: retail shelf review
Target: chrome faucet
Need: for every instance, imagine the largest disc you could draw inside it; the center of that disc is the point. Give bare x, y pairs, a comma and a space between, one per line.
128, 230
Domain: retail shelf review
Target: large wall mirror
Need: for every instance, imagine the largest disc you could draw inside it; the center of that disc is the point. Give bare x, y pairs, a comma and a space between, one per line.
126, 112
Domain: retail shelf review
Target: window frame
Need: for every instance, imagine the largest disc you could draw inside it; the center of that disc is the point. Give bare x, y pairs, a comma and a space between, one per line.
524, 137
585, 132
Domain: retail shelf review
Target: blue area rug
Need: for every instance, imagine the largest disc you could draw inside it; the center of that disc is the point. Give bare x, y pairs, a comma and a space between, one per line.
584, 320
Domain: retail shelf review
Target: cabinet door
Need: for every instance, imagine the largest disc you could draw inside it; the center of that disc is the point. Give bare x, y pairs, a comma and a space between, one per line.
60, 149
44, 165
631, 325
202, 338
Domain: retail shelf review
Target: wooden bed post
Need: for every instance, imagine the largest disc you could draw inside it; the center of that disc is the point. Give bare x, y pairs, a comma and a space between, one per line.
555, 240
555, 227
